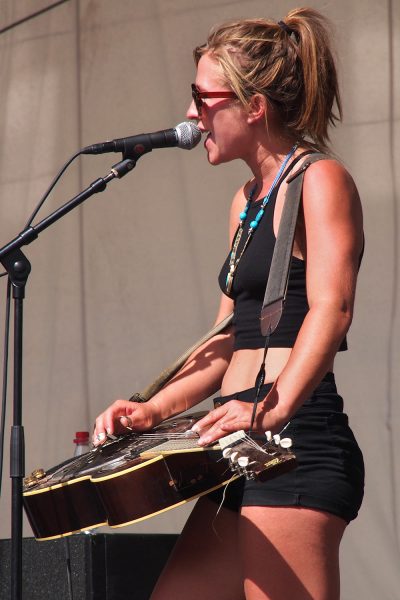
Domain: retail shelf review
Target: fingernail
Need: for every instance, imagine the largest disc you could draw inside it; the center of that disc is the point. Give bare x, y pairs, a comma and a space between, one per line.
195, 428
204, 441
100, 437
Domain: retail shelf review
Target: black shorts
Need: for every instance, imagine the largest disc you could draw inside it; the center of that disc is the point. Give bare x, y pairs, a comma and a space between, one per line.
330, 471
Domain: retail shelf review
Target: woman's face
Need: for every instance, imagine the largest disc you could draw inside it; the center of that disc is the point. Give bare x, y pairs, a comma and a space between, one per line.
224, 119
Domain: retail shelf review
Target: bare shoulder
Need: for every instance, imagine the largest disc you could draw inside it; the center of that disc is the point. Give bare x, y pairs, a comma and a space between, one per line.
331, 204
331, 180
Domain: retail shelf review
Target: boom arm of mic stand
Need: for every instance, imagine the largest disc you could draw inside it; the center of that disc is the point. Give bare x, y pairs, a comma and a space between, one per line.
99, 185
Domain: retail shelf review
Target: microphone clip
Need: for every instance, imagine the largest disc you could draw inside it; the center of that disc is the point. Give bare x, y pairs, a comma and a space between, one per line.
123, 167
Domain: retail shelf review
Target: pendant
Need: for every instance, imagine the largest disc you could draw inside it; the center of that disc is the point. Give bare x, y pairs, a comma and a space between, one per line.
229, 280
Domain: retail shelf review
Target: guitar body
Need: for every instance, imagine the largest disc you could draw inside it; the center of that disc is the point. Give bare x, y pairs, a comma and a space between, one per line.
63, 508
132, 478
160, 483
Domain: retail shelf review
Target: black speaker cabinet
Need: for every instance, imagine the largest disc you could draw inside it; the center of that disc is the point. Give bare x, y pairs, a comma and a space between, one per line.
102, 566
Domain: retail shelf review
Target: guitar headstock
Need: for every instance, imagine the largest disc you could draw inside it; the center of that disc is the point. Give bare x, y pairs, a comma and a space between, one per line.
247, 457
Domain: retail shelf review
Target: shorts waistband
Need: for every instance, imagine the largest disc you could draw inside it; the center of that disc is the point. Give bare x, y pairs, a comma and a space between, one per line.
326, 386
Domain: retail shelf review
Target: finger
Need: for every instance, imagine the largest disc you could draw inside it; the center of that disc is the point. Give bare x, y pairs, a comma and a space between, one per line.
102, 433
209, 420
112, 416
229, 426
99, 435
230, 422
104, 425
215, 433
98, 431
99, 438
126, 422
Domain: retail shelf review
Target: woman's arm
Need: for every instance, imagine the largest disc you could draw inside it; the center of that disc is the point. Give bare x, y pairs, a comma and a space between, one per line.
332, 245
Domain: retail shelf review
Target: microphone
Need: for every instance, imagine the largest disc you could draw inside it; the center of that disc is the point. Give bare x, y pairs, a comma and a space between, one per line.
185, 135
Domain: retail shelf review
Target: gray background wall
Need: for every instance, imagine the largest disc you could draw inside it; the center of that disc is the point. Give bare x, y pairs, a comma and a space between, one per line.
127, 281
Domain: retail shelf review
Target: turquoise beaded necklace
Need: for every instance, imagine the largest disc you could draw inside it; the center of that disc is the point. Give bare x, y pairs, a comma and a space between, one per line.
233, 261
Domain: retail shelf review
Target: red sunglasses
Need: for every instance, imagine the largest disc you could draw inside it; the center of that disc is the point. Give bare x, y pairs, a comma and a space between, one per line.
199, 96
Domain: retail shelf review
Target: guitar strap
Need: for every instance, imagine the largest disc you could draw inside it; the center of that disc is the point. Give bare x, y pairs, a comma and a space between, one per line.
276, 289
275, 292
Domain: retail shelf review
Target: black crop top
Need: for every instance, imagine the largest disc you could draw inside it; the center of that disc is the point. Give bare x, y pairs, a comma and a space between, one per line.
250, 281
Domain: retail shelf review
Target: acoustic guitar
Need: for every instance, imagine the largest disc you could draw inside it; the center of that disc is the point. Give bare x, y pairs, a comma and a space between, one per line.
139, 475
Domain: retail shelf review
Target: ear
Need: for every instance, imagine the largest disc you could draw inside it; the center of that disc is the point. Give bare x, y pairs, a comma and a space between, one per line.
257, 108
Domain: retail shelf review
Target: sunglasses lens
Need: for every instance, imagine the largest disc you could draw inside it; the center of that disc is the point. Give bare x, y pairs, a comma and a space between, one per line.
197, 100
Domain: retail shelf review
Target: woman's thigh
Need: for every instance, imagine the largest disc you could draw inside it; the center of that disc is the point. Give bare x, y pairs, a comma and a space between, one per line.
290, 552
205, 562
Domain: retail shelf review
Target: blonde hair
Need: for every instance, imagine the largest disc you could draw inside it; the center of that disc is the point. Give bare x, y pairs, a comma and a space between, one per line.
290, 63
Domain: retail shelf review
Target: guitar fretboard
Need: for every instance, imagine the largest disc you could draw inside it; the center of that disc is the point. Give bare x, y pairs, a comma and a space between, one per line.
174, 444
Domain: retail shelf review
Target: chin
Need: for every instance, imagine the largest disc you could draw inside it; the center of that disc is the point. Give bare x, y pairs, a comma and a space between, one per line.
216, 156
216, 159
213, 162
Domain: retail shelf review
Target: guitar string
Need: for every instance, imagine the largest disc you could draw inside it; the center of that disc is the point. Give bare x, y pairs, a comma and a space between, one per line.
213, 522
161, 436
84, 460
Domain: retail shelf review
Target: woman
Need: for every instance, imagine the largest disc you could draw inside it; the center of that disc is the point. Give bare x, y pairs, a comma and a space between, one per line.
264, 93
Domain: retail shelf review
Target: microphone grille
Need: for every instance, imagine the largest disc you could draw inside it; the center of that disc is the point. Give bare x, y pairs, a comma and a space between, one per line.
188, 134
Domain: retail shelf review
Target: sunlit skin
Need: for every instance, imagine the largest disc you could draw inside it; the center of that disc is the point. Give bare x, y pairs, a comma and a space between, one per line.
329, 238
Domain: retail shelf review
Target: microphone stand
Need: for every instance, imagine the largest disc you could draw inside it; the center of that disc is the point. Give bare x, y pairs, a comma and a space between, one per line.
18, 268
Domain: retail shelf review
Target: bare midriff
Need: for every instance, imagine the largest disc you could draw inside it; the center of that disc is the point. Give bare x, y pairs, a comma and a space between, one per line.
245, 365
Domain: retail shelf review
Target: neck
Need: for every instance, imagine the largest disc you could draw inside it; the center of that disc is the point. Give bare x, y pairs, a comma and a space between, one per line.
267, 160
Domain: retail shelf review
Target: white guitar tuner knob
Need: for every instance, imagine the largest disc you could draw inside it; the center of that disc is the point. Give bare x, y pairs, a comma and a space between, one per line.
268, 435
277, 438
286, 443
243, 461
226, 452
234, 456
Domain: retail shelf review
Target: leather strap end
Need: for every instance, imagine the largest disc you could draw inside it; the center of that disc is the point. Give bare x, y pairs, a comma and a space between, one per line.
270, 316
137, 398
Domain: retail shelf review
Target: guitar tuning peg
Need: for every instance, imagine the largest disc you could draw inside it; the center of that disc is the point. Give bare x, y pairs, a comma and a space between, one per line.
234, 456
226, 452
243, 461
268, 435
277, 438
286, 443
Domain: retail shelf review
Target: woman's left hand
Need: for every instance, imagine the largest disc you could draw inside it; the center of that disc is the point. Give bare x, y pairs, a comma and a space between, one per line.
232, 416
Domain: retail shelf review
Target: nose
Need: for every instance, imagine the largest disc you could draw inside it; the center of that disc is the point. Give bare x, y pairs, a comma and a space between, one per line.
192, 112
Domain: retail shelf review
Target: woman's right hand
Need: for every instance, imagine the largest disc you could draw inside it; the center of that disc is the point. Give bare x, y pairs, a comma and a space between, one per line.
123, 415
